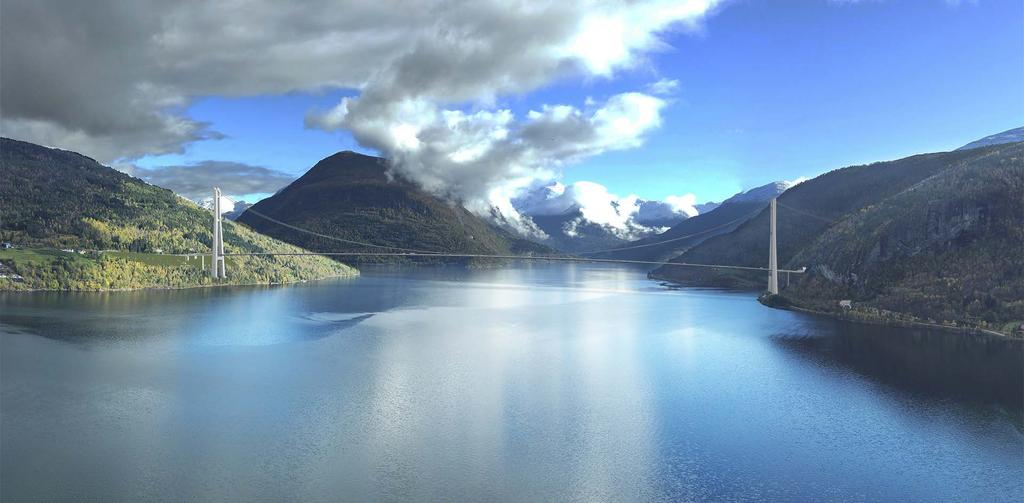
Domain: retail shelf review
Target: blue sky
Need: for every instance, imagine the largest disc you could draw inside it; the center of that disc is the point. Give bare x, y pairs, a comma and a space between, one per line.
767, 91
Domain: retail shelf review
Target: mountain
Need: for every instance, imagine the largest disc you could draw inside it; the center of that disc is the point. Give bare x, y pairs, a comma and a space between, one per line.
227, 205
706, 207
571, 232
237, 210
659, 216
353, 197
933, 237
584, 216
1009, 136
949, 249
121, 230
761, 194
230, 208
722, 219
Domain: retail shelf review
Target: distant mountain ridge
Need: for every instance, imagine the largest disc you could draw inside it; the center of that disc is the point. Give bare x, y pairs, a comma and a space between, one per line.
353, 197
706, 207
583, 216
571, 232
230, 208
766, 192
1009, 136
240, 207
724, 218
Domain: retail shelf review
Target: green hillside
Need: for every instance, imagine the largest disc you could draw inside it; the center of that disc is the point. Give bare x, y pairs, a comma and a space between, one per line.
121, 228
931, 237
351, 196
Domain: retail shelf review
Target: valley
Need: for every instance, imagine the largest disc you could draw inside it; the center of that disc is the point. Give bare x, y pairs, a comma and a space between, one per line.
888, 239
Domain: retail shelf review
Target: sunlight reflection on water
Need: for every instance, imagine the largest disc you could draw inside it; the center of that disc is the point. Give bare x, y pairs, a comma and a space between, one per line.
533, 383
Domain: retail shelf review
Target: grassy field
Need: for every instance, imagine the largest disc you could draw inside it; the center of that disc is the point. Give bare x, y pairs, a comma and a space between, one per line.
41, 257
36, 258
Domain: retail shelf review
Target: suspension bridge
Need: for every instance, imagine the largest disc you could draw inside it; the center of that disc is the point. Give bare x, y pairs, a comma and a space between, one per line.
218, 268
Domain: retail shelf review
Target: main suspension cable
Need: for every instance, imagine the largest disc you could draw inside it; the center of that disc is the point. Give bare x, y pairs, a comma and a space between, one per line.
334, 238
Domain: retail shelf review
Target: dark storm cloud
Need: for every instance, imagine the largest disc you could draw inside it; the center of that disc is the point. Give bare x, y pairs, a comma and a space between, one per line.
112, 78
196, 181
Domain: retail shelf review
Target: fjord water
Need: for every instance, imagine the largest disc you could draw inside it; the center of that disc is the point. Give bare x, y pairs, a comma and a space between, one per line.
539, 383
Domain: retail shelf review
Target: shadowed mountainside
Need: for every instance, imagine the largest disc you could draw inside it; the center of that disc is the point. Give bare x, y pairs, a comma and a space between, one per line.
353, 197
931, 237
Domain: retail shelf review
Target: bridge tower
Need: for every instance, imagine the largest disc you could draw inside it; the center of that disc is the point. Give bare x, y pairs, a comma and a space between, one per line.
217, 269
773, 266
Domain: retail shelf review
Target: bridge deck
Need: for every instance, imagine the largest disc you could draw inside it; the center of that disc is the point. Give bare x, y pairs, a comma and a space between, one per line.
509, 257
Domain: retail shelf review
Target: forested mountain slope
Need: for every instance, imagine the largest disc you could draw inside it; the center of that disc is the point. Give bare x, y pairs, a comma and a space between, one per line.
949, 249
934, 236
53, 199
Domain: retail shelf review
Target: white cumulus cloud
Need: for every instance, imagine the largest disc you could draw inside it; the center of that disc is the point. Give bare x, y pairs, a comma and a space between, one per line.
476, 156
112, 79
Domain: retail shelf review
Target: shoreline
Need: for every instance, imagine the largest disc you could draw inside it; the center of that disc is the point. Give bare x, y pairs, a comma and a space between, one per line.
352, 271
355, 274
761, 299
866, 320
888, 323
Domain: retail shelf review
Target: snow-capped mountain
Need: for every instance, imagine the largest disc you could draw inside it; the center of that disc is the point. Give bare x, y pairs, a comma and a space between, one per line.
240, 207
584, 216
722, 219
229, 208
1010, 136
765, 192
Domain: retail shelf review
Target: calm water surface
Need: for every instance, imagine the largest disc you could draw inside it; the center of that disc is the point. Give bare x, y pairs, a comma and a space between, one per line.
538, 383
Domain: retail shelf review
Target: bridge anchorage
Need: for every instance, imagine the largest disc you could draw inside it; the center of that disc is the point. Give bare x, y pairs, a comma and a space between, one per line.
217, 268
